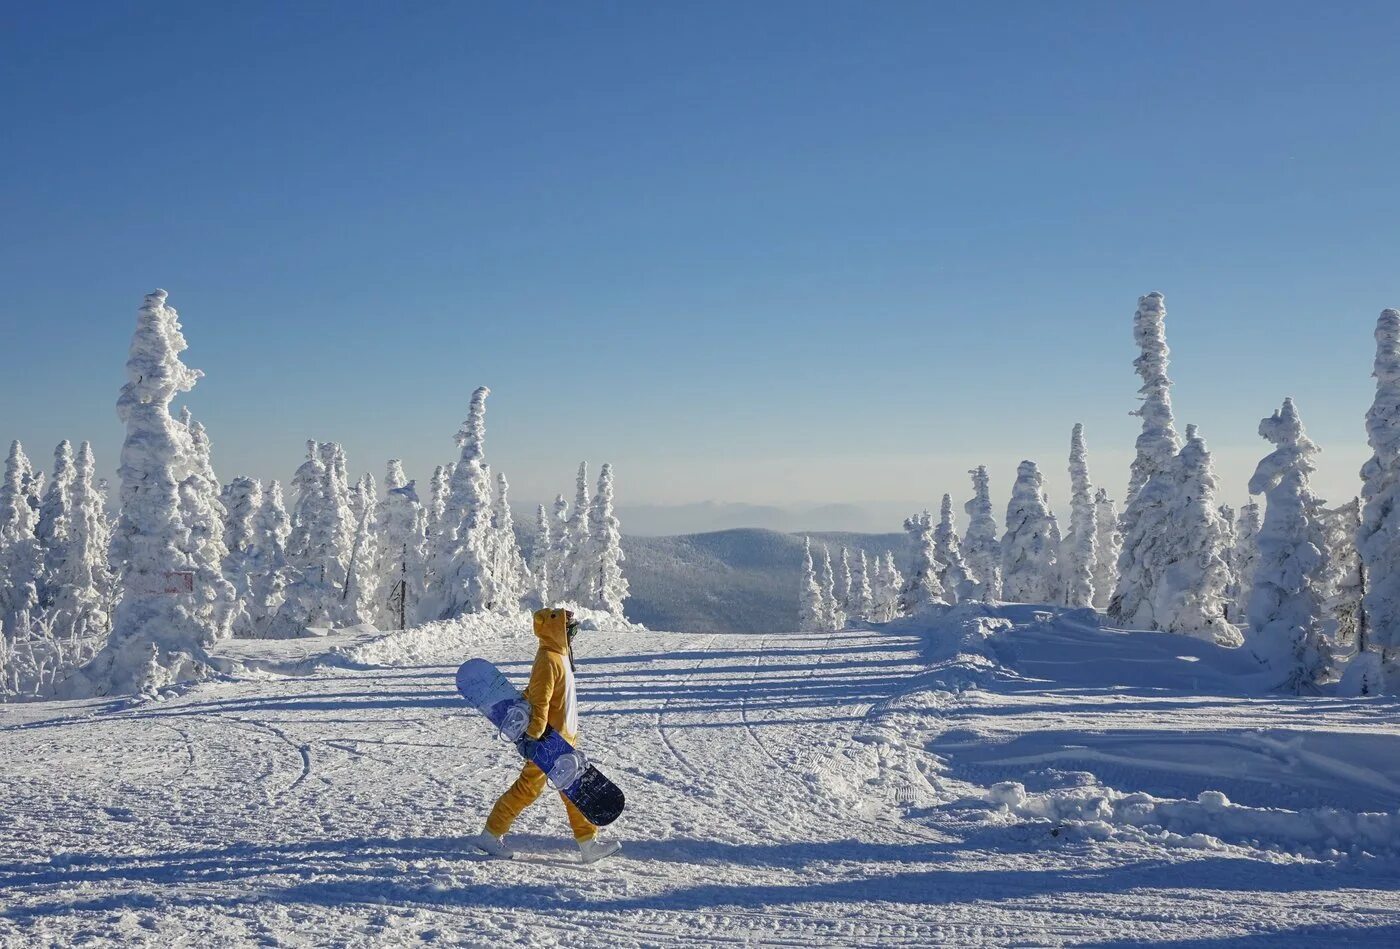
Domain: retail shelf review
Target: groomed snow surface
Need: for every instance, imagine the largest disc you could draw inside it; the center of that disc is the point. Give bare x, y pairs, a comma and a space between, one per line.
998, 776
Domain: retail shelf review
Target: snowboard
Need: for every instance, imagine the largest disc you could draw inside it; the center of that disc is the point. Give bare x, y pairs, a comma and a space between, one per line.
488, 691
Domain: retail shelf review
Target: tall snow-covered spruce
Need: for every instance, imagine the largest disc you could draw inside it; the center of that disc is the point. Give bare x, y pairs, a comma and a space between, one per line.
1377, 668
163, 625
1157, 444
1285, 607
981, 549
463, 561
1194, 578
1109, 544
399, 564
1080, 550
811, 614
19, 548
922, 590
607, 586
1030, 555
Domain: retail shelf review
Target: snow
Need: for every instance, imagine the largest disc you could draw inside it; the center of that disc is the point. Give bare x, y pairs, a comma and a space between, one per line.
1011, 775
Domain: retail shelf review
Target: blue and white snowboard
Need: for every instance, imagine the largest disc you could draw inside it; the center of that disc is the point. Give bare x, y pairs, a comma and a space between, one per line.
488, 691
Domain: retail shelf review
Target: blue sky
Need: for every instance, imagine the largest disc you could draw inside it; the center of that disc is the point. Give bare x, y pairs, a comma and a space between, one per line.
769, 253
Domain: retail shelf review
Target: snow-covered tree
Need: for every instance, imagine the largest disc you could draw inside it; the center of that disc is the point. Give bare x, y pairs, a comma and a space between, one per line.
439, 489
981, 548
164, 621
19, 549
1244, 559
1378, 538
463, 561
843, 581
946, 542
833, 615
607, 586
242, 501
267, 566
922, 590
1030, 563
1079, 553
1108, 546
80, 579
512, 576
541, 557
811, 610
1285, 607
889, 584
860, 598
579, 542
307, 484
1157, 444
361, 594
399, 564
1194, 576
559, 552
1343, 583
51, 531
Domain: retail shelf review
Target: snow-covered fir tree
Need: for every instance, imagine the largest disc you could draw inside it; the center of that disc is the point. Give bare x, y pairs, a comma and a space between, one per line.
541, 556
267, 567
203, 514
1080, 550
922, 590
306, 484
1108, 545
1344, 583
465, 583
19, 549
1157, 444
843, 581
164, 621
360, 596
1030, 560
1378, 538
1194, 576
981, 548
1285, 606
559, 552
80, 578
399, 563
1244, 558
439, 488
811, 610
608, 588
888, 589
833, 615
579, 542
860, 599
51, 530
242, 501
512, 576
946, 542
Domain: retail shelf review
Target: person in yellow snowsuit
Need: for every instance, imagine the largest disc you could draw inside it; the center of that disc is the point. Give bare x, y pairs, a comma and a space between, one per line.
553, 701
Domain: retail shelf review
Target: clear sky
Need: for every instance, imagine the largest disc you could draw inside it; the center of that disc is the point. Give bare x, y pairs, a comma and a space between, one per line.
749, 252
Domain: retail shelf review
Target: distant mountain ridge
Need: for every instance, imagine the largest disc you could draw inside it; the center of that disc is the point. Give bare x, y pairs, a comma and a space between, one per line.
740, 580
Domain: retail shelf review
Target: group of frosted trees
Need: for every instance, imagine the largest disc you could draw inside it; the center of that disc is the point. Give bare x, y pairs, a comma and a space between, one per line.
190, 561
1313, 591
856, 589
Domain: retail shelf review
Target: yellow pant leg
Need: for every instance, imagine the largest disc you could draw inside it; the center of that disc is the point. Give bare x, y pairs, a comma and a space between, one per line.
583, 830
518, 796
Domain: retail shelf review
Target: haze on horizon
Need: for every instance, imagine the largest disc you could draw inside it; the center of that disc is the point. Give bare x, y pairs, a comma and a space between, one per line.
765, 255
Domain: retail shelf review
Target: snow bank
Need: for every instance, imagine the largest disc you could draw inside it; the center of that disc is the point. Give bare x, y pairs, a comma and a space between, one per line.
363, 646
1210, 822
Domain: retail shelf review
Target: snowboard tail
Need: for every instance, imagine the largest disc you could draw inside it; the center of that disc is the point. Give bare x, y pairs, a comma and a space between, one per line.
488, 690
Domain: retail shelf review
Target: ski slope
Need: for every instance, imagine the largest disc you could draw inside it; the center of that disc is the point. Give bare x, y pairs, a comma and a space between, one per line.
1000, 778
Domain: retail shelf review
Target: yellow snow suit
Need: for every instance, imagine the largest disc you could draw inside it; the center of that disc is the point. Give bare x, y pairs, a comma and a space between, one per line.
552, 702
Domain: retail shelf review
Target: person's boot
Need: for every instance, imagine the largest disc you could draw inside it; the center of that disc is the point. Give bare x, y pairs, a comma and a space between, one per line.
591, 851
490, 843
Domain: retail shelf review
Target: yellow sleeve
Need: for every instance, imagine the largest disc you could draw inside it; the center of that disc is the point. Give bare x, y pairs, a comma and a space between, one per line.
538, 693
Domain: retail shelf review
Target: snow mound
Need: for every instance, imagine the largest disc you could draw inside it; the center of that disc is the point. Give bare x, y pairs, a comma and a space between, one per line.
1037, 713
1209, 822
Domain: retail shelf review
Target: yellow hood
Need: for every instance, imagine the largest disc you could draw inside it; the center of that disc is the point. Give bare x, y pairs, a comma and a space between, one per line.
552, 628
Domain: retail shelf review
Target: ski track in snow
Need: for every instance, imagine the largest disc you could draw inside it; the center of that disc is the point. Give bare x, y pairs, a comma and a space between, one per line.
799, 790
